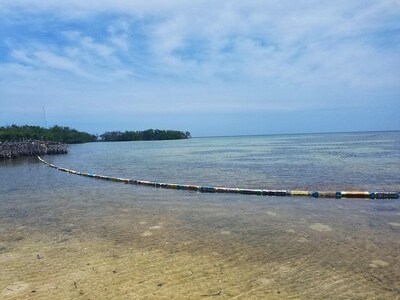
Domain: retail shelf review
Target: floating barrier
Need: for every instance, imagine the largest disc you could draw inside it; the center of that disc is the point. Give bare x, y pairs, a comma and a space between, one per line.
363, 195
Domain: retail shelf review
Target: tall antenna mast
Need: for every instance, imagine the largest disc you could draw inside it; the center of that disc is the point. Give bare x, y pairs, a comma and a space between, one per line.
44, 115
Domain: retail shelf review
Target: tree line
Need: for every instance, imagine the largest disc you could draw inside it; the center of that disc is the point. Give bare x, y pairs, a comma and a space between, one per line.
55, 134
146, 135
72, 136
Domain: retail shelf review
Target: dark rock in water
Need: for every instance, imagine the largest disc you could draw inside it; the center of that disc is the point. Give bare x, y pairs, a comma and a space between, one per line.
30, 148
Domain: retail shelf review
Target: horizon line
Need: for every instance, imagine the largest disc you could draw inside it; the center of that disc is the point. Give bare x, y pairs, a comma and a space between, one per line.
297, 133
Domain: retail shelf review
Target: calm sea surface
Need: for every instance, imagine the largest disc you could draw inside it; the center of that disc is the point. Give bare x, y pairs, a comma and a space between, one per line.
69, 237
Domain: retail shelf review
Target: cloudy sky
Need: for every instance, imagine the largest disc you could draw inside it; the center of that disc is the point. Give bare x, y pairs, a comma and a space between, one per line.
209, 67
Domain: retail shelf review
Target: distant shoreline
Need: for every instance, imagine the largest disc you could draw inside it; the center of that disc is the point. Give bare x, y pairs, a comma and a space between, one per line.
72, 136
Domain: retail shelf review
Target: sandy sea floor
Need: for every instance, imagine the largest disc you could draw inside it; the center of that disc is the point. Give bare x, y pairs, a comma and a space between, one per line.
114, 241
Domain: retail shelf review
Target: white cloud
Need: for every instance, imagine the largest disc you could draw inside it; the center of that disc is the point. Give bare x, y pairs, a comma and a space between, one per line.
214, 55
58, 62
119, 37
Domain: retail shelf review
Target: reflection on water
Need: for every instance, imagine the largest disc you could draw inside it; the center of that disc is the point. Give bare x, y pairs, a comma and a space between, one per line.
68, 237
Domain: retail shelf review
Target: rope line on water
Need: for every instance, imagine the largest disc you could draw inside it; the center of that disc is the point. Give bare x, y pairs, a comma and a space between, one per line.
261, 192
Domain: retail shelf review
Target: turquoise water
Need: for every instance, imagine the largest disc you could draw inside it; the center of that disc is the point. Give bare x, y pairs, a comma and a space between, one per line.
367, 161
63, 236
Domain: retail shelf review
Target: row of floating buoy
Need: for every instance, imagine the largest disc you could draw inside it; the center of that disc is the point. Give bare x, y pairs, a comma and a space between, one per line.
260, 192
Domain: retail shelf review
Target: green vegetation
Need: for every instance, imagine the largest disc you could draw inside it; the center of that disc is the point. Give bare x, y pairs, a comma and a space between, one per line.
72, 136
147, 135
55, 133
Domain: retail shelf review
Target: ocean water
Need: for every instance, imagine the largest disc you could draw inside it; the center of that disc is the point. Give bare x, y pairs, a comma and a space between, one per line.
69, 237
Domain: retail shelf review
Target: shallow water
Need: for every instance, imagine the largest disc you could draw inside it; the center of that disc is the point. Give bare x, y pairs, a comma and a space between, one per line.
66, 237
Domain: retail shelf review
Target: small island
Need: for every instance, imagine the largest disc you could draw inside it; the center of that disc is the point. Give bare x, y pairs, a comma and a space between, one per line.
17, 141
147, 135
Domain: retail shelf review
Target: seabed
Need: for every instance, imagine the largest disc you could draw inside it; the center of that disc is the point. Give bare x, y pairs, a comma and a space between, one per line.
174, 245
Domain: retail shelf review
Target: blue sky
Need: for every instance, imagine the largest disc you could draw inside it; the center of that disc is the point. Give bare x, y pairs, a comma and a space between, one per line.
209, 67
